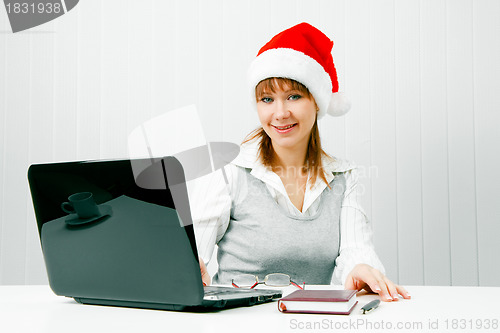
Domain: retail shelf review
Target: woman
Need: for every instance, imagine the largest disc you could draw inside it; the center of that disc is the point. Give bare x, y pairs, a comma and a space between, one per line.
288, 207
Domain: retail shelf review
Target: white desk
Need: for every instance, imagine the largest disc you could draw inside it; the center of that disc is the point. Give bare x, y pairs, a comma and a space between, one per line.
436, 309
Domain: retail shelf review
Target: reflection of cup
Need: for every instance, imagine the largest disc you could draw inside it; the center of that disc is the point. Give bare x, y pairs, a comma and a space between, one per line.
82, 204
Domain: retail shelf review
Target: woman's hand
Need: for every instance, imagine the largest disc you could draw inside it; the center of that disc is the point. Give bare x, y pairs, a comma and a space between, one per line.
205, 277
366, 277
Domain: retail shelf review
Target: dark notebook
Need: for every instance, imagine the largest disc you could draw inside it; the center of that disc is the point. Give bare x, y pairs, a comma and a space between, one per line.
319, 301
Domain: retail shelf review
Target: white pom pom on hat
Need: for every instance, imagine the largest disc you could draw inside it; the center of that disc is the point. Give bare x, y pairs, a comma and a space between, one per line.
302, 53
339, 104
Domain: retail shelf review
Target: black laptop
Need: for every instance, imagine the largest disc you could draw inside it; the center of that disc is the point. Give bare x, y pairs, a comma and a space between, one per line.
125, 237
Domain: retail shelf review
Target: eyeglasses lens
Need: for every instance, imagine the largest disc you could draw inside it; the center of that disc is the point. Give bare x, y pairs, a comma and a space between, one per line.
244, 281
277, 280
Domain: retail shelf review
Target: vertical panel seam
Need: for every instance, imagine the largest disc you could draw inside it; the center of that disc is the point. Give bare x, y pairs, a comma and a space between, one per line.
99, 146
100, 79
3, 133
152, 106
370, 106
345, 80
420, 139
198, 79
474, 145
447, 140
78, 86
2, 176
28, 153
129, 123
223, 93
396, 141
198, 66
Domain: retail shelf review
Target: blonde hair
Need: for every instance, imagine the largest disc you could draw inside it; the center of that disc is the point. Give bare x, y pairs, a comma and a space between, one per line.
314, 154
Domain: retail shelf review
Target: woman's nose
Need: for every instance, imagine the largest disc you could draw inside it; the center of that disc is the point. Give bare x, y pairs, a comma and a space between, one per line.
282, 110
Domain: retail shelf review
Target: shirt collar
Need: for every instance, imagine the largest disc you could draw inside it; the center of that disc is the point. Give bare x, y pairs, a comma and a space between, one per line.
248, 158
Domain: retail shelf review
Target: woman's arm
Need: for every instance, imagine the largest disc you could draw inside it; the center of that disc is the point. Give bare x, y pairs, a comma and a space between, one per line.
205, 277
358, 266
210, 203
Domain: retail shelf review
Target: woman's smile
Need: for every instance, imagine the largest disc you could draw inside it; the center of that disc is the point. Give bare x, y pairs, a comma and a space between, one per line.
284, 129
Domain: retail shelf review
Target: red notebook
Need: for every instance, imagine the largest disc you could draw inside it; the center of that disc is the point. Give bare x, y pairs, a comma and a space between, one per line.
319, 301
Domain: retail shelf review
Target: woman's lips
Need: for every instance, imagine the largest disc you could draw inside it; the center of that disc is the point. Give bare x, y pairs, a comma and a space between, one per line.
284, 129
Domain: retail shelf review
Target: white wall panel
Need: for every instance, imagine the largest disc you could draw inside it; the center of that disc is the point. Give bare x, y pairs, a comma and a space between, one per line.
41, 137
211, 64
332, 22
284, 14
408, 142
434, 136
185, 51
140, 64
42, 64
238, 118
115, 100
461, 142
66, 128
486, 27
163, 62
89, 96
383, 138
16, 154
258, 32
4, 26
305, 12
358, 120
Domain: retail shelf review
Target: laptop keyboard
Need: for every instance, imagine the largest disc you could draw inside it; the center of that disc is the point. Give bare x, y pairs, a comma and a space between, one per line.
214, 290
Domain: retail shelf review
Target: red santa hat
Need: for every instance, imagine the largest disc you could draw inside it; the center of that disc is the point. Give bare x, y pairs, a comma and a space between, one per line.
302, 53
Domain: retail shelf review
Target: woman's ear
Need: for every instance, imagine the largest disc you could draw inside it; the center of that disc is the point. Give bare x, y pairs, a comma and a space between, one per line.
315, 104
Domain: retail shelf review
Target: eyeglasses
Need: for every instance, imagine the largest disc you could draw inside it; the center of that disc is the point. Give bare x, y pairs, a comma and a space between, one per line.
249, 281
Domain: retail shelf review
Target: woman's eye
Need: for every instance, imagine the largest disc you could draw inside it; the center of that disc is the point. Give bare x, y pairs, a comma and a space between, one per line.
294, 97
266, 99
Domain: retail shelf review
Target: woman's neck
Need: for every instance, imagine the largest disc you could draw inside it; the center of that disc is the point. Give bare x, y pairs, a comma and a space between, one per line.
288, 160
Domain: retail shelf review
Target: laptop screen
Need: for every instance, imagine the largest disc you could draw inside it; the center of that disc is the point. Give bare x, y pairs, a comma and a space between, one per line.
135, 248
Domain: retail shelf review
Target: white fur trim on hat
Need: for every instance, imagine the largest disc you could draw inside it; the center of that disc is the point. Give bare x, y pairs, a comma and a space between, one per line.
295, 65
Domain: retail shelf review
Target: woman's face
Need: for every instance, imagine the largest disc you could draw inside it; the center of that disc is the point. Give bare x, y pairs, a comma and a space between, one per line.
287, 116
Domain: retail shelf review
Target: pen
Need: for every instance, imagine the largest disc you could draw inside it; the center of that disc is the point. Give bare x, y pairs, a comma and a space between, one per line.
370, 306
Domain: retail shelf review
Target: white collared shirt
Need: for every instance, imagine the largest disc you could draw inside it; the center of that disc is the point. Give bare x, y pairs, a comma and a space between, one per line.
211, 200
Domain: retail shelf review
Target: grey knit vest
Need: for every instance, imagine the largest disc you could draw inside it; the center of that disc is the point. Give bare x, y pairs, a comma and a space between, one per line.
263, 238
